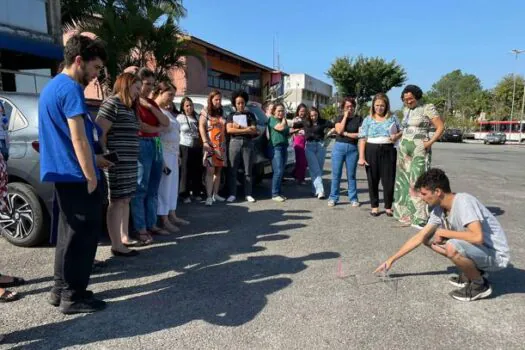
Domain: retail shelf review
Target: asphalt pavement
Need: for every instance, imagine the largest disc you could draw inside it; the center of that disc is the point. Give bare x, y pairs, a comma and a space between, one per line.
293, 275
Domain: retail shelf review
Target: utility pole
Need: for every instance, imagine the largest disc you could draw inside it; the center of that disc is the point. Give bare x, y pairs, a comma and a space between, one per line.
516, 52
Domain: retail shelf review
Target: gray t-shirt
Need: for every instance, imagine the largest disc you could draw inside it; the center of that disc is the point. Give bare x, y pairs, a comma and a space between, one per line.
466, 209
189, 130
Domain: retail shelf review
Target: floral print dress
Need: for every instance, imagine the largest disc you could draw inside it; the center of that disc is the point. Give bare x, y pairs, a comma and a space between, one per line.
412, 161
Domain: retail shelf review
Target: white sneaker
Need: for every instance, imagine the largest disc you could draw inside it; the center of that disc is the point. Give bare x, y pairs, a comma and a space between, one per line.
231, 199
321, 196
355, 204
250, 199
209, 201
217, 198
419, 227
279, 199
187, 200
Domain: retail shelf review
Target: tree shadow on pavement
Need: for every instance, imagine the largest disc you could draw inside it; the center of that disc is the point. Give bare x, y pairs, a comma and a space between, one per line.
198, 279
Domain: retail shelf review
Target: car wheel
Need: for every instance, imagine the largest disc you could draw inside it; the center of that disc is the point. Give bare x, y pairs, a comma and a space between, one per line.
25, 223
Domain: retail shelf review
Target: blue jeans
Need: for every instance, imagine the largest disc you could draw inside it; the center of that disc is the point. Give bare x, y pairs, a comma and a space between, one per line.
315, 155
344, 153
144, 204
278, 155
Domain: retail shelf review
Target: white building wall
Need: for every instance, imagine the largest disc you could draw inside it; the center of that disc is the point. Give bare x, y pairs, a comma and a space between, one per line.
301, 88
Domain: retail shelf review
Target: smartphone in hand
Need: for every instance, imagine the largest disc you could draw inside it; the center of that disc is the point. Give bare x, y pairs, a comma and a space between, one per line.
111, 156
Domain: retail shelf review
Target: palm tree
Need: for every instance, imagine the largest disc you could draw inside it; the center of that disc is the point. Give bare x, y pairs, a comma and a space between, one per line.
136, 32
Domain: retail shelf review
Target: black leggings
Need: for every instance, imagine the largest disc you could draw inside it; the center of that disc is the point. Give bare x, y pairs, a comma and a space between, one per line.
191, 171
381, 159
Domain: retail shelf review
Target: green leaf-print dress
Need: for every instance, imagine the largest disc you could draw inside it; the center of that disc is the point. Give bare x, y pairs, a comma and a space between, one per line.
412, 161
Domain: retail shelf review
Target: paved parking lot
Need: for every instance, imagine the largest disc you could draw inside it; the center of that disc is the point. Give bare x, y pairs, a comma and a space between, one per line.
265, 276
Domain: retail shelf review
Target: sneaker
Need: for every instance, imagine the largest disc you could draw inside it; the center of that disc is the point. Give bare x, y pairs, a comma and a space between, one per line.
461, 280
82, 306
472, 291
217, 198
419, 227
198, 198
355, 204
53, 298
321, 196
250, 199
209, 201
279, 199
331, 203
231, 199
187, 200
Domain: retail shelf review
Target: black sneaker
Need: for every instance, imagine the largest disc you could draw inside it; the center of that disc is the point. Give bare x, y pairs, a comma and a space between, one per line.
472, 291
461, 280
81, 306
54, 297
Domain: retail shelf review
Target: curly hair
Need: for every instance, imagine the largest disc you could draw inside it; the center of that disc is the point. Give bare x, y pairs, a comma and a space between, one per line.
239, 93
414, 90
432, 179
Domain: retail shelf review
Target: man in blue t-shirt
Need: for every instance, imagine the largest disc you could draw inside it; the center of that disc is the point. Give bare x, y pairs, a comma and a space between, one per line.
463, 230
67, 136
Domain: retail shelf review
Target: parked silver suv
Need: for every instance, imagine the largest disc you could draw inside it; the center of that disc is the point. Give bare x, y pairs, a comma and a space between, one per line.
30, 202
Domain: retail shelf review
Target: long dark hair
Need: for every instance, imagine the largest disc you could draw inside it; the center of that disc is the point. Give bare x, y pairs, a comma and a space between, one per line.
302, 105
183, 101
309, 121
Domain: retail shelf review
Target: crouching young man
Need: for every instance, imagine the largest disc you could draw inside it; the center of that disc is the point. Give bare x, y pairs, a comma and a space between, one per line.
463, 230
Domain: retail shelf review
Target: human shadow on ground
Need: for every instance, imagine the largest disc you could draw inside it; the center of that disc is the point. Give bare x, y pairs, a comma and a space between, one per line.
198, 279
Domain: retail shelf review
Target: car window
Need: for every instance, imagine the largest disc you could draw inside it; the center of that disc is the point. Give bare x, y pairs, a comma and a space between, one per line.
17, 120
262, 119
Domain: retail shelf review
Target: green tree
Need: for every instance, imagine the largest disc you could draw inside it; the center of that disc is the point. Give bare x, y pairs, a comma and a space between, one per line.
503, 92
457, 93
329, 112
363, 77
74, 11
137, 32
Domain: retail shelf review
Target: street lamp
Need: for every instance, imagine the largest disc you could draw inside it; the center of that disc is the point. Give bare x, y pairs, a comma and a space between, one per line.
516, 52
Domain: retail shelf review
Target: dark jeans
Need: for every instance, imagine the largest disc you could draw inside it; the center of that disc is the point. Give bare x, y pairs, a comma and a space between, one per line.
241, 149
78, 232
381, 161
279, 154
191, 171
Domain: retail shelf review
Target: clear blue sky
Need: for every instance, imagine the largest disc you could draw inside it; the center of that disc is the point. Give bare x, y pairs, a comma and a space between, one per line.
428, 38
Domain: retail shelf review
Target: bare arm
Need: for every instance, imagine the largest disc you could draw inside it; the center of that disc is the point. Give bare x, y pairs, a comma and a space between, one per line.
362, 146
440, 128
282, 125
203, 131
105, 125
82, 148
235, 129
422, 236
473, 234
161, 117
340, 127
